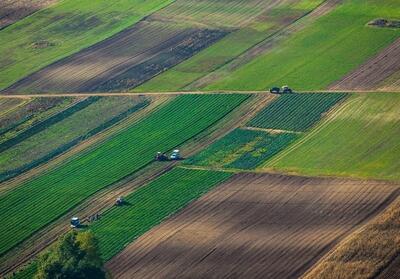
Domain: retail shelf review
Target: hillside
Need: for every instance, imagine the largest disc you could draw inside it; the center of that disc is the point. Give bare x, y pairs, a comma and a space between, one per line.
96, 96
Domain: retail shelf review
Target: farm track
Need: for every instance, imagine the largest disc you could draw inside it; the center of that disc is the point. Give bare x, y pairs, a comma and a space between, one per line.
267, 44
104, 199
14, 10
176, 93
373, 73
252, 225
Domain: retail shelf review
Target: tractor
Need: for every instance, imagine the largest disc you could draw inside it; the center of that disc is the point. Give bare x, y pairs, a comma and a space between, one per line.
161, 157
175, 155
119, 201
284, 90
75, 223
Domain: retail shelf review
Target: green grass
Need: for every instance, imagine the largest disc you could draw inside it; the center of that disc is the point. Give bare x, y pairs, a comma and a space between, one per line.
227, 49
361, 139
34, 204
321, 53
295, 112
150, 205
63, 29
65, 134
242, 149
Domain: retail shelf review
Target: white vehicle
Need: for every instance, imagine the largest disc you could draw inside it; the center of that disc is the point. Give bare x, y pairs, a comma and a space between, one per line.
175, 155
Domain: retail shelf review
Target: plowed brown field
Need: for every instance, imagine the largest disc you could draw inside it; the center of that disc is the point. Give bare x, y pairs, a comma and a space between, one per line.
254, 226
373, 73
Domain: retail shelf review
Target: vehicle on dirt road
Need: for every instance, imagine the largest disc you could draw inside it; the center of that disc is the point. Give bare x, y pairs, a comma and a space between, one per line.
284, 90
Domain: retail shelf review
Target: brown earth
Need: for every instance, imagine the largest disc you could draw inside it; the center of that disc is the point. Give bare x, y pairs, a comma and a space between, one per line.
133, 55
373, 73
392, 271
104, 199
13, 10
254, 226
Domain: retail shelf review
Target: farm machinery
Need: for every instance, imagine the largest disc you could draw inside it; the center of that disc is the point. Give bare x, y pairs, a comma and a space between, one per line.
284, 90
119, 201
75, 222
175, 155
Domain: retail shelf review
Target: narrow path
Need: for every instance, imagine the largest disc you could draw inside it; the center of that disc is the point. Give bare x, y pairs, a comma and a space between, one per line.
175, 93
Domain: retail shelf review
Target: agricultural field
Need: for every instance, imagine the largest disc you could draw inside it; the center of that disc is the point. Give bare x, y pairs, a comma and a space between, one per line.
252, 225
296, 112
63, 29
68, 184
13, 10
360, 139
330, 48
243, 149
82, 123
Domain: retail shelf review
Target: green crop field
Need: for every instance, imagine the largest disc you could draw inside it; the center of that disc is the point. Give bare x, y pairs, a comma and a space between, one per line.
149, 205
295, 112
322, 53
361, 139
277, 15
69, 131
65, 28
37, 202
243, 149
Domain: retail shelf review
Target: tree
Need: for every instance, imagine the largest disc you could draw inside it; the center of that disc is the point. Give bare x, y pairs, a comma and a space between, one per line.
76, 256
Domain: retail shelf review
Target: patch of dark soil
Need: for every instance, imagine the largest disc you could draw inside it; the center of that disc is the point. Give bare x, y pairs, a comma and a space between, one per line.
388, 23
163, 61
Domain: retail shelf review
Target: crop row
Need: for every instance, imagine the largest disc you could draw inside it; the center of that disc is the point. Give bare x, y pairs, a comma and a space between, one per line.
243, 149
32, 205
149, 205
46, 123
295, 112
106, 111
63, 29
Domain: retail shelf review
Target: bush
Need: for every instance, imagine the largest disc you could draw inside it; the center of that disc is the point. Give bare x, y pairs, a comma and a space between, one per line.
76, 256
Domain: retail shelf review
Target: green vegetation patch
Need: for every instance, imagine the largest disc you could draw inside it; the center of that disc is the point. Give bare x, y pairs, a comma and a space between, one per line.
361, 139
63, 29
34, 204
295, 112
67, 133
150, 205
243, 149
321, 53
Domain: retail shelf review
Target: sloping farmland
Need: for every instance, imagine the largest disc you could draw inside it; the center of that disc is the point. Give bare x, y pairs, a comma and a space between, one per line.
13, 10
376, 73
66, 185
254, 225
359, 139
146, 49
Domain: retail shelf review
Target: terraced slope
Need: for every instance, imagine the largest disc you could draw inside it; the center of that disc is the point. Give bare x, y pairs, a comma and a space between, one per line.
360, 139
253, 225
99, 114
333, 46
13, 10
68, 184
63, 29
166, 38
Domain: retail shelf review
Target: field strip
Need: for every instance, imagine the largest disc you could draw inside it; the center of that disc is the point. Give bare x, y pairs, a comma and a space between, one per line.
84, 145
175, 93
11, 109
272, 131
252, 225
104, 199
371, 74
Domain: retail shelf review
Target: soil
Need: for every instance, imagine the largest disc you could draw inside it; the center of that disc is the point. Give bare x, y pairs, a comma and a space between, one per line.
14, 10
374, 72
254, 226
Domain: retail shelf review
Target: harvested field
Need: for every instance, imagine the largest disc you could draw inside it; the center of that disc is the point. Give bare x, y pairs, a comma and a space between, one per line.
13, 10
123, 61
372, 74
254, 225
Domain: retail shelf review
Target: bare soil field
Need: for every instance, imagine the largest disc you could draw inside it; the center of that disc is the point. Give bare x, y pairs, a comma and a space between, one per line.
254, 226
105, 61
373, 73
13, 10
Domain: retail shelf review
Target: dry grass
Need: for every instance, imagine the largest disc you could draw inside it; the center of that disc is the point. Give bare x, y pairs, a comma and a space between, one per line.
365, 252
